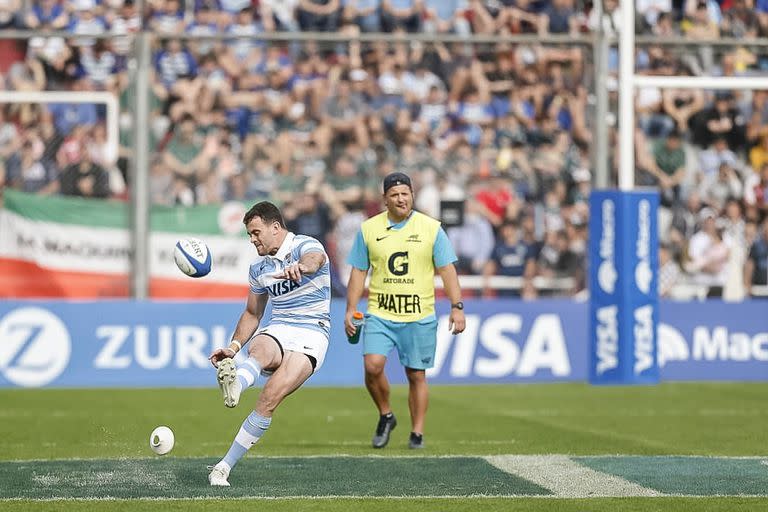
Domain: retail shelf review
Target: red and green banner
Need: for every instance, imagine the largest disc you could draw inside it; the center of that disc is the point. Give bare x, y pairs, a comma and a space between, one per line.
81, 248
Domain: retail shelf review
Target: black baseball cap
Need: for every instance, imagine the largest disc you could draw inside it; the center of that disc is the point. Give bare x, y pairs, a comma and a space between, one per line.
396, 178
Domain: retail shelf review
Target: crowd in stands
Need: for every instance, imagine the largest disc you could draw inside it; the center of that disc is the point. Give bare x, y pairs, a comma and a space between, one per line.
506, 128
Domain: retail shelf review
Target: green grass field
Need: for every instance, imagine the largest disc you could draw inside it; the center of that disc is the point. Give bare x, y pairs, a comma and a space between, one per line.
527, 447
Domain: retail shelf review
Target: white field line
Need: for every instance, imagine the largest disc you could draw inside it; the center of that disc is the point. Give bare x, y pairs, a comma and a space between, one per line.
218, 498
375, 456
567, 478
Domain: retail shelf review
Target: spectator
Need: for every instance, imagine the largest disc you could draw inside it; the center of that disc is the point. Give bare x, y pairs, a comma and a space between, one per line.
669, 168
184, 154
102, 67
669, 271
473, 241
493, 198
556, 259
758, 155
125, 20
685, 218
306, 214
761, 8
348, 222
651, 116
160, 183
510, 257
518, 17
724, 120
9, 10
343, 186
559, 18
756, 266
46, 14
27, 172
204, 24
650, 10
701, 22
169, 19
10, 141
55, 56
69, 115
739, 21
717, 155
681, 105
715, 190
417, 85
72, 148
279, 15
760, 191
444, 16
582, 185
366, 14
174, 63
231, 8
734, 225
397, 15
343, 116
28, 75
85, 179
610, 21
85, 21
319, 15
434, 189
210, 188
708, 254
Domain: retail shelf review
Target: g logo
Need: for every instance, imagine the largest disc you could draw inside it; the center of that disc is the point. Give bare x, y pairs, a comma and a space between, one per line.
398, 263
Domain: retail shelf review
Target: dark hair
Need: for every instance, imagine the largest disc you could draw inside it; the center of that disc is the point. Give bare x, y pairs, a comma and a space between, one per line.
267, 211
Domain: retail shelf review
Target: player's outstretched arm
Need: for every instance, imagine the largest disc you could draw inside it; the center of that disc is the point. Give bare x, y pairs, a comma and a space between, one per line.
246, 326
308, 264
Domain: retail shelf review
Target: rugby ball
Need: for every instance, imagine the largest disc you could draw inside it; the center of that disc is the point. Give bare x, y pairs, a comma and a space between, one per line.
192, 257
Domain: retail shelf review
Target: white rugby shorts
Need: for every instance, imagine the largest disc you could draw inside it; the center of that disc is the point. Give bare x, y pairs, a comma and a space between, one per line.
299, 339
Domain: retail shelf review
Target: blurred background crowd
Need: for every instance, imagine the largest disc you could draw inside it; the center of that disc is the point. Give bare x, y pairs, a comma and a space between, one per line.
504, 129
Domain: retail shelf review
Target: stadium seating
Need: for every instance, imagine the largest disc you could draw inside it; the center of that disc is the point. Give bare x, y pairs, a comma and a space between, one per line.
507, 128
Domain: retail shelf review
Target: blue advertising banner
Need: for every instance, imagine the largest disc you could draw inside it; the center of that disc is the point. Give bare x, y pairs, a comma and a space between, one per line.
144, 344
623, 309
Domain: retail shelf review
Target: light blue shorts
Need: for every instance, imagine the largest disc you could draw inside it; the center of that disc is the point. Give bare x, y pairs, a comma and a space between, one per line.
415, 341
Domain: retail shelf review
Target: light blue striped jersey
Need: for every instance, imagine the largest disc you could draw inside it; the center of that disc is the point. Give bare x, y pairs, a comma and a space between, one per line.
305, 304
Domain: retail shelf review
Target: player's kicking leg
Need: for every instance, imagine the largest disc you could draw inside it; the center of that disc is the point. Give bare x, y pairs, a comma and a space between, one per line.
263, 353
294, 369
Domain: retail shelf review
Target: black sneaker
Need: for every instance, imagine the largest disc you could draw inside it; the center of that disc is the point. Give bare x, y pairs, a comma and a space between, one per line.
387, 424
416, 442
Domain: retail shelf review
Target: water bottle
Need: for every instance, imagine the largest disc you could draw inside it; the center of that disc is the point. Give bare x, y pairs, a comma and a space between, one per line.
357, 320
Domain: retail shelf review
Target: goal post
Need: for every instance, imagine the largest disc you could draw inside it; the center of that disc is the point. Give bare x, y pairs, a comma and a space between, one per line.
71, 97
623, 249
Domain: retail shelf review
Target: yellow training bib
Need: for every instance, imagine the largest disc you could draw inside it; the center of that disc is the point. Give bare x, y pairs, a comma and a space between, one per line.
402, 285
